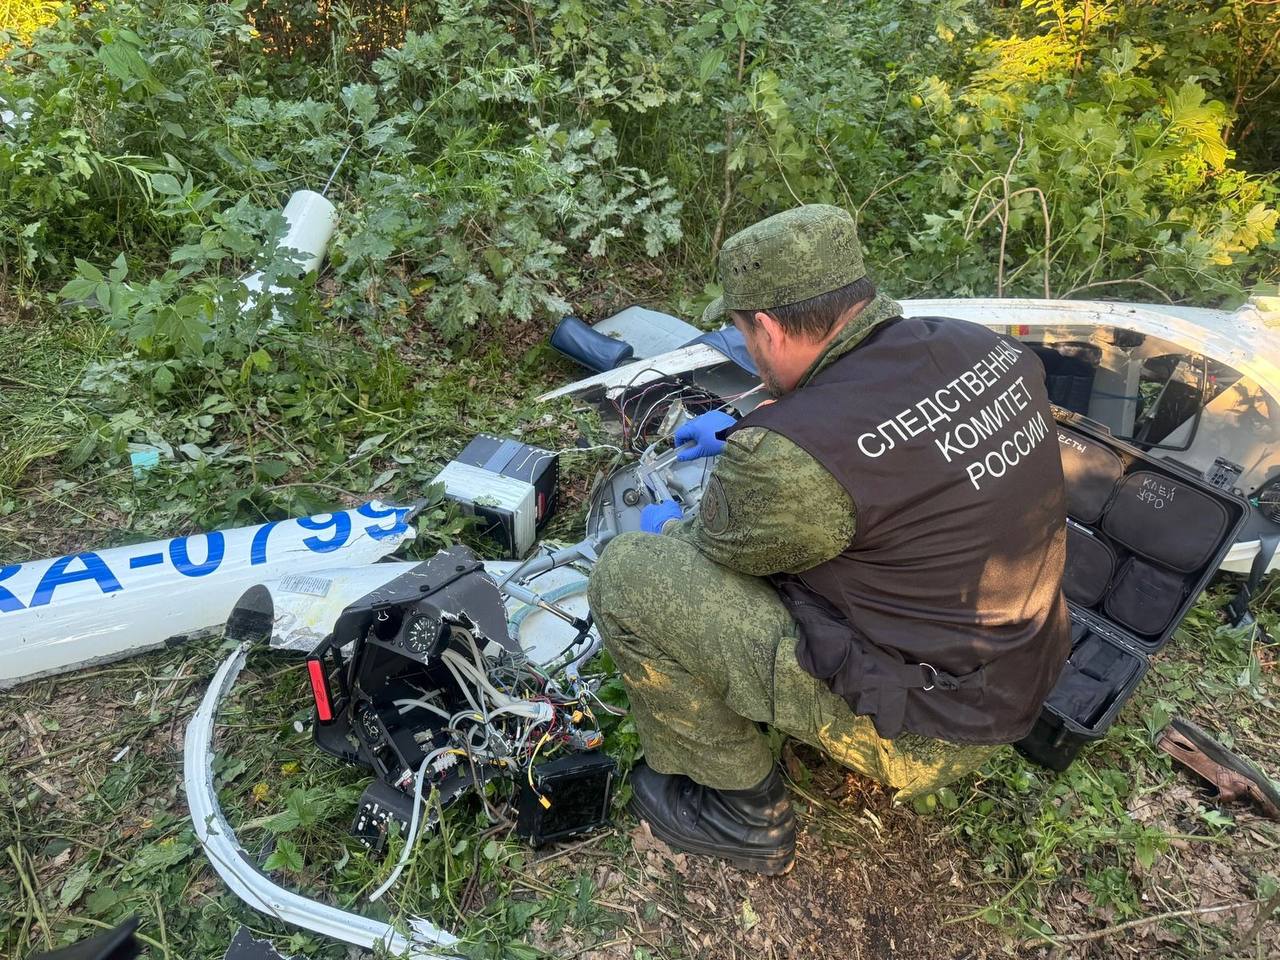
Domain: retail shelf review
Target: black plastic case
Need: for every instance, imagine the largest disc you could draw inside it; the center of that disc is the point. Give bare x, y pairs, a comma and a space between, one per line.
1155, 539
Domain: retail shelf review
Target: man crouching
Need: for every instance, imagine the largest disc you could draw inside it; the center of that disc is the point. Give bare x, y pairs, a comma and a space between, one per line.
875, 566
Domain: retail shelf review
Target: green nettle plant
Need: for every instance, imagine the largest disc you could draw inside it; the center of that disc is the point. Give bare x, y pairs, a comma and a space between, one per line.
498, 155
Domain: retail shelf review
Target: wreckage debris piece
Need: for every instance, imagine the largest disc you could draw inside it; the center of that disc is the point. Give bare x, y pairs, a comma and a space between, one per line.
596, 351
117, 944
243, 877
1235, 777
381, 805
244, 946
95, 606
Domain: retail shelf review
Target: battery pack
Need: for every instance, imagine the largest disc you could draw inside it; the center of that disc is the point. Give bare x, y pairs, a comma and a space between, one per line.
510, 486
568, 796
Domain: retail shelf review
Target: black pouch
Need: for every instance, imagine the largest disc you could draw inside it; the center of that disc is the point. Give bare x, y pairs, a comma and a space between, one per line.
1166, 520
826, 640
1105, 661
1090, 564
1090, 472
1144, 597
1081, 697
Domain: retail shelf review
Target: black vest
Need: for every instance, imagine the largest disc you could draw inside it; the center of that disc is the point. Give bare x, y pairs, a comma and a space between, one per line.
944, 616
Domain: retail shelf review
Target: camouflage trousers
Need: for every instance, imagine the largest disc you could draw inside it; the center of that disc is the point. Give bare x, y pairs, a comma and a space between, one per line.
707, 654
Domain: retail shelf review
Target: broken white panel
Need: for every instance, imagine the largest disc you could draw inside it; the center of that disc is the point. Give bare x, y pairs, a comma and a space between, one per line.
649, 332
1247, 339
99, 605
693, 357
303, 608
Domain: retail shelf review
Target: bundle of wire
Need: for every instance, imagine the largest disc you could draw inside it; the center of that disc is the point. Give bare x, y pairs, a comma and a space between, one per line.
643, 410
507, 723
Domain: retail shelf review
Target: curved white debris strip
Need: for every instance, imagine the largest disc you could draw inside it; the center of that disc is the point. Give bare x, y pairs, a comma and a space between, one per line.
100, 605
249, 883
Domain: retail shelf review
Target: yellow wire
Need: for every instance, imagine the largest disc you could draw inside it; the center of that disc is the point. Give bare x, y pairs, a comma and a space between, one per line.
532, 759
545, 738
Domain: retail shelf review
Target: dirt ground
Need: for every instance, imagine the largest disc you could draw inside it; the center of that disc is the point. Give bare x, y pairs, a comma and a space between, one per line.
870, 880
92, 776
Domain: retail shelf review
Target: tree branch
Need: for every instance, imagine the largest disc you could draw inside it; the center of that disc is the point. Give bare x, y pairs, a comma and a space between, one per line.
1131, 924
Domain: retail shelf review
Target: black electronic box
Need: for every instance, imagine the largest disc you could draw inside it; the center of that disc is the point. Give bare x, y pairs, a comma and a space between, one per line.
565, 796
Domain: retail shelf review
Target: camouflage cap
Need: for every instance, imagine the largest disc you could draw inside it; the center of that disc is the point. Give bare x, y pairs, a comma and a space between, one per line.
789, 257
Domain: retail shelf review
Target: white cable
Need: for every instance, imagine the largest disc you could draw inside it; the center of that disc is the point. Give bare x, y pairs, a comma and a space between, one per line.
465, 715
640, 421
532, 711
453, 659
478, 677
475, 648
466, 691
595, 446
481, 674
412, 835
547, 455
409, 703
525, 737
745, 393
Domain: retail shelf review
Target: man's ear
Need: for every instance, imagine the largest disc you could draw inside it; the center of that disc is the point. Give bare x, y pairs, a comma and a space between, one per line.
770, 327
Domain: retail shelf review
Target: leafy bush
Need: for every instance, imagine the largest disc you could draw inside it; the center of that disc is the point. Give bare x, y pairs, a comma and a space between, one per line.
497, 152
504, 164
1090, 172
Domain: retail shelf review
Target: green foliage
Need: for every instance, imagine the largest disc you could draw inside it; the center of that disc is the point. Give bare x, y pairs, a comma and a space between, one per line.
508, 164
1088, 167
499, 154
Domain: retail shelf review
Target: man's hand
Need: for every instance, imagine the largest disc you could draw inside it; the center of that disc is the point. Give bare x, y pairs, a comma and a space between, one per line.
701, 433
655, 515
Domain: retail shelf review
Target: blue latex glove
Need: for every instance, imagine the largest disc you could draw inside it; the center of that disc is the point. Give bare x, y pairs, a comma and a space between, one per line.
655, 515
701, 433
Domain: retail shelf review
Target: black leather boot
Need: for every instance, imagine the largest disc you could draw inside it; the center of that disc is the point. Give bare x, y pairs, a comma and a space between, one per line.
754, 829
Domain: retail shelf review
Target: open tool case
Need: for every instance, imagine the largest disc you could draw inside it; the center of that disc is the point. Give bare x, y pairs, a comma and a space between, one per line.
1144, 537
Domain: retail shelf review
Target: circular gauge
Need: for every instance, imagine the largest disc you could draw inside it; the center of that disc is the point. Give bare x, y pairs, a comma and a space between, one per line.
420, 633
369, 724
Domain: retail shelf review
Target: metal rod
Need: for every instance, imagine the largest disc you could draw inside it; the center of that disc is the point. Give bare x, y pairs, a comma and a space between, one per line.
338, 166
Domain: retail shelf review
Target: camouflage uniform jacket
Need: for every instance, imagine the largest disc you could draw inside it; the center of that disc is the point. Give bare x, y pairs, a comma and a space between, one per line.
769, 506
